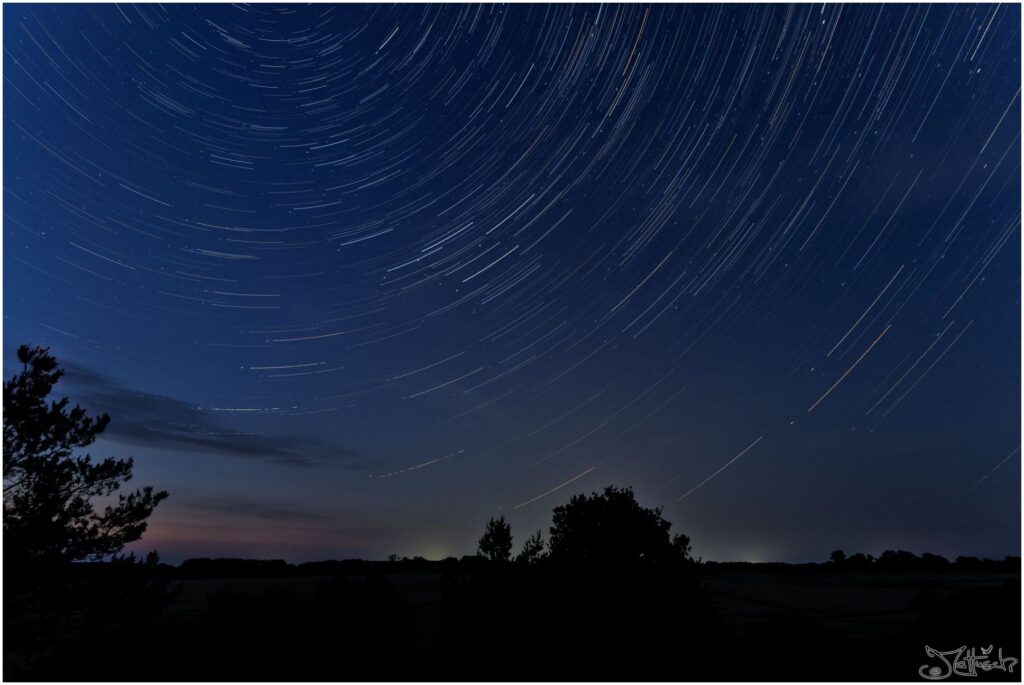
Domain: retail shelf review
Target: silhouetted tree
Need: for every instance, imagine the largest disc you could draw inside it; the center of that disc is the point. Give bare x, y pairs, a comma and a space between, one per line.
496, 543
968, 563
934, 562
49, 514
681, 547
612, 530
860, 562
898, 560
533, 549
838, 557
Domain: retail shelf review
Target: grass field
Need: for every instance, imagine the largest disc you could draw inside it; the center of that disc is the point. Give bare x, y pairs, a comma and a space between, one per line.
873, 606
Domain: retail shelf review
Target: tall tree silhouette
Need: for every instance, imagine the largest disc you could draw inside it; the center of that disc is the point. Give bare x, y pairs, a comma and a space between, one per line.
496, 543
612, 530
49, 513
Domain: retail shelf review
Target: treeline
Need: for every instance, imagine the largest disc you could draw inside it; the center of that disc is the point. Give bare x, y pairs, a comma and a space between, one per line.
902, 561
204, 567
890, 561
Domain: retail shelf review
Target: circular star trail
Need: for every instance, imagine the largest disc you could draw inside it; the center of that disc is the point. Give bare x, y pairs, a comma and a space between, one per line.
350, 279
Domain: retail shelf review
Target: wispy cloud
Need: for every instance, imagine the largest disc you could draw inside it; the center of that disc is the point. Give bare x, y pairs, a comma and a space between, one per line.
149, 420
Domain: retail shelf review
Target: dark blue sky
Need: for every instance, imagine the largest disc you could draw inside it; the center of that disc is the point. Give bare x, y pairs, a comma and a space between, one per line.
350, 279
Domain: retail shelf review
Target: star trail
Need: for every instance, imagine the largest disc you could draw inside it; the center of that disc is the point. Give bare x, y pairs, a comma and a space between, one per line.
352, 279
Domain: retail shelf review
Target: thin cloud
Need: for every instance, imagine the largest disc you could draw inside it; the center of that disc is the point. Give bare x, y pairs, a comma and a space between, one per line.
145, 419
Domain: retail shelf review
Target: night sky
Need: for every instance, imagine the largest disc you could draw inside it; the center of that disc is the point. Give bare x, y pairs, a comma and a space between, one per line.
352, 279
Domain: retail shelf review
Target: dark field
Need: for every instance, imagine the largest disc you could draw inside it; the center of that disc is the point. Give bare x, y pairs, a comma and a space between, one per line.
470, 620
858, 604
776, 624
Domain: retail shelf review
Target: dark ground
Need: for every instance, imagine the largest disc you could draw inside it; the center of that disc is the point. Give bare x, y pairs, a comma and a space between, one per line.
464, 621
859, 605
855, 619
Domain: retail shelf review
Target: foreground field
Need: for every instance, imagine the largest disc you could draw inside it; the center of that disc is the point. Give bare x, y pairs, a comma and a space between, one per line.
775, 624
861, 604
474, 620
